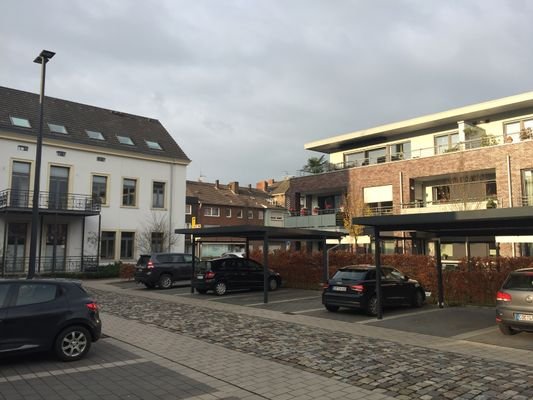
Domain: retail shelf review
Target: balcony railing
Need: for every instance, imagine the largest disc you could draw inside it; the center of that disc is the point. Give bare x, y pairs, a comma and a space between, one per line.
48, 265
481, 142
23, 199
317, 218
527, 201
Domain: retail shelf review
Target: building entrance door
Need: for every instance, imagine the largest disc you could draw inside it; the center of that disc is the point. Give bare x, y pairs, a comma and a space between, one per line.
16, 247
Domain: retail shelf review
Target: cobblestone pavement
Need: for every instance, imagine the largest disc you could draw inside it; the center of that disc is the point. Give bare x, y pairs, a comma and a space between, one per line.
397, 370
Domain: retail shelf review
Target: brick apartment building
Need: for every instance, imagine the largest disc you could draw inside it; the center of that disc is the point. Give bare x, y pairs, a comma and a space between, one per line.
469, 158
215, 205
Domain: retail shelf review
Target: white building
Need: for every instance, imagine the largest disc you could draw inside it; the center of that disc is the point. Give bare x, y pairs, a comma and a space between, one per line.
111, 184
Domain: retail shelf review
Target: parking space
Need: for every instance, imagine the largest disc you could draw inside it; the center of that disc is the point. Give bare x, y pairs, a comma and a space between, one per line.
111, 370
475, 324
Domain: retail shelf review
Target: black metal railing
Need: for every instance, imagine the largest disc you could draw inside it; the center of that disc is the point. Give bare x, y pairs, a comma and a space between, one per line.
48, 265
23, 199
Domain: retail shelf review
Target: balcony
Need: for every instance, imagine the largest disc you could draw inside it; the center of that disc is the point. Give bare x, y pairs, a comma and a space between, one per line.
464, 204
316, 219
48, 265
485, 141
49, 203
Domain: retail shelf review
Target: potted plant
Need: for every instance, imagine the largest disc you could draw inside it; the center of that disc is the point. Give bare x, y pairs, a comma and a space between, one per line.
491, 203
316, 210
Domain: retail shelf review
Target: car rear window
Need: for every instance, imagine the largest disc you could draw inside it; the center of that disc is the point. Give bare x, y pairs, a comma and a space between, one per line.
143, 260
351, 274
203, 266
519, 282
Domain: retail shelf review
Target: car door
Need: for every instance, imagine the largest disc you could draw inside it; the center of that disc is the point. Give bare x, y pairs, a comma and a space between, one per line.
232, 268
404, 289
391, 287
34, 314
179, 268
254, 272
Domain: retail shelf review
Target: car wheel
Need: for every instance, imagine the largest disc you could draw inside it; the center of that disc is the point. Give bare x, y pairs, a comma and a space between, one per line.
418, 299
372, 306
220, 288
273, 284
331, 308
506, 329
72, 343
165, 281
201, 291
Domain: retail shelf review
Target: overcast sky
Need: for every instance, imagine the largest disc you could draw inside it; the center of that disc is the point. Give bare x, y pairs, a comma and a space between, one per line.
242, 85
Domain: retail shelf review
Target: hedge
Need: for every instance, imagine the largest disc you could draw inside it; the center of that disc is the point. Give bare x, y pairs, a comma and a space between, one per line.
473, 282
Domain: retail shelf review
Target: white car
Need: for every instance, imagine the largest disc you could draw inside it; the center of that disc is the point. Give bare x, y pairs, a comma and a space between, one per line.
233, 254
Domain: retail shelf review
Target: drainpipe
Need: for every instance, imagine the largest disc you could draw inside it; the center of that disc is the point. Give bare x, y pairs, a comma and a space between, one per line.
509, 185
170, 197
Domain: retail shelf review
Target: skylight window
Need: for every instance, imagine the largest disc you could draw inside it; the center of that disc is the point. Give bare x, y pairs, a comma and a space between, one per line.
95, 135
57, 128
153, 145
22, 122
125, 140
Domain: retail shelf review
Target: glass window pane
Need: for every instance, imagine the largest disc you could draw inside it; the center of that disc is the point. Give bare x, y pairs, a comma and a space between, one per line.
153, 145
125, 140
21, 122
21, 167
377, 156
95, 135
57, 128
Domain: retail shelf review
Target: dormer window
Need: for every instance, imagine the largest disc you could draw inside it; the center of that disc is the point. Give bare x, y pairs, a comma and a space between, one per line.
95, 135
125, 140
20, 122
153, 145
57, 128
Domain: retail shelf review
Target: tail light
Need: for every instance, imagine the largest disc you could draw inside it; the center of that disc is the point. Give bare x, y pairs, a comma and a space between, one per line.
325, 285
357, 288
209, 275
92, 306
502, 296
150, 265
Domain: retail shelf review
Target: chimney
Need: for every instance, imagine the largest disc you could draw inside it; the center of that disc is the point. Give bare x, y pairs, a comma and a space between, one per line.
217, 186
249, 186
271, 181
263, 185
234, 187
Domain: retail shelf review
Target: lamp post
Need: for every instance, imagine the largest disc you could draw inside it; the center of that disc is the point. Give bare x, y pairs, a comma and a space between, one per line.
42, 59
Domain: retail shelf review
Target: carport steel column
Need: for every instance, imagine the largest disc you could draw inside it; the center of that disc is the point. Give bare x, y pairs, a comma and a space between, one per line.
265, 268
377, 257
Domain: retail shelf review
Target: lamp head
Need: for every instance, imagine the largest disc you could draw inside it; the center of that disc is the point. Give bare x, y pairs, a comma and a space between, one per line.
45, 56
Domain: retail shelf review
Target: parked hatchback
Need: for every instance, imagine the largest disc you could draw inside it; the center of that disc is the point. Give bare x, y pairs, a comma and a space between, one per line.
38, 315
162, 269
355, 287
232, 273
514, 302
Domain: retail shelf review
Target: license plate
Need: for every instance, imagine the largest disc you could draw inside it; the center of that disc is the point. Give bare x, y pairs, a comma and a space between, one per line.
523, 317
199, 277
339, 288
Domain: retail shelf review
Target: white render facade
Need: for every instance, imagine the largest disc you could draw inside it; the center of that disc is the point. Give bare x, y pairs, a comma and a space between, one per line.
98, 203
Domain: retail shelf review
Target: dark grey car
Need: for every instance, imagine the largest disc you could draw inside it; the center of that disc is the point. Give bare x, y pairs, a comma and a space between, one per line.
162, 269
514, 302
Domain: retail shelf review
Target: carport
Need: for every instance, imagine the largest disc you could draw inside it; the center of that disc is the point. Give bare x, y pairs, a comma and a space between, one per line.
434, 226
264, 234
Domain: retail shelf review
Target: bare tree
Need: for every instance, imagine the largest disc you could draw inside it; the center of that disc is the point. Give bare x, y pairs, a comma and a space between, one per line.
353, 207
156, 235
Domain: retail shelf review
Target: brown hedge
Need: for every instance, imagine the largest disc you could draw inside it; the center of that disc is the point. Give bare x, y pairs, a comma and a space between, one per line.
473, 282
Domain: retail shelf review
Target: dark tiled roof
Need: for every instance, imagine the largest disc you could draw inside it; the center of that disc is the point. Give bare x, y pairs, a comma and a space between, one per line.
78, 118
280, 187
207, 193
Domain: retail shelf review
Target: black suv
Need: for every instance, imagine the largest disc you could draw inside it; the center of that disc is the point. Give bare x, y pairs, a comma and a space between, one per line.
355, 287
47, 314
223, 274
162, 269
514, 302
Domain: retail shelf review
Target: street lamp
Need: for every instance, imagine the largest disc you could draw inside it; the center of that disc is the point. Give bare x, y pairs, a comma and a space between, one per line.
42, 59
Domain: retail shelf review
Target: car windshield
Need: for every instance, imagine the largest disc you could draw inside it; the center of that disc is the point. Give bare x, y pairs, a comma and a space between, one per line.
351, 274
519, 282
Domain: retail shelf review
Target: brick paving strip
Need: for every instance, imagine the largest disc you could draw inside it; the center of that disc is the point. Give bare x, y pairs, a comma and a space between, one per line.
377, 361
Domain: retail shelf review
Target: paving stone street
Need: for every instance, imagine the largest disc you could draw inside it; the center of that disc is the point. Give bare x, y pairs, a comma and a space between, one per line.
379, 366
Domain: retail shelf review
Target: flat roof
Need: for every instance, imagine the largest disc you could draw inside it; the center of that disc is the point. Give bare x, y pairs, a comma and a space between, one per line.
467, 113
489, 222
260, 232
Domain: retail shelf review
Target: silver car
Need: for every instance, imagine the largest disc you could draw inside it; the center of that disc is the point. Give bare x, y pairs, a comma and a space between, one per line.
514, 302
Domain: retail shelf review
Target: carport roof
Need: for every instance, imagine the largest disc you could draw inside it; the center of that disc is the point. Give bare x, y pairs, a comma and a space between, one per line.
260, 232
489, 222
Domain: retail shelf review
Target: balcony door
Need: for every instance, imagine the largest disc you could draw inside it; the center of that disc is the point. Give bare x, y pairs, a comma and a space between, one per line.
16, 247
58, 188
527, 181
20, 184
56, 247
